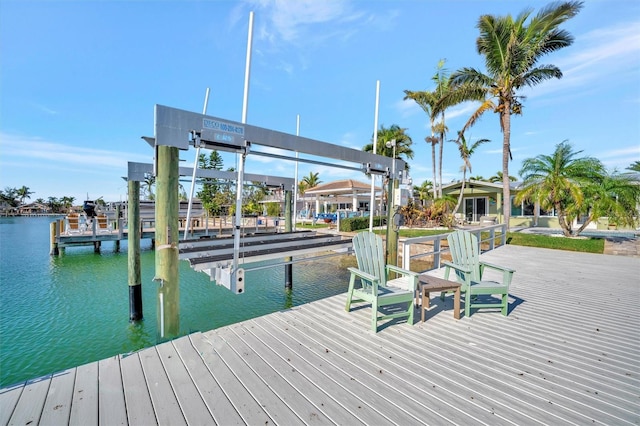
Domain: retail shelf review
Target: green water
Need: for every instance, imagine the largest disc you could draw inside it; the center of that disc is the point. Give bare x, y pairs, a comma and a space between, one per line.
58, 312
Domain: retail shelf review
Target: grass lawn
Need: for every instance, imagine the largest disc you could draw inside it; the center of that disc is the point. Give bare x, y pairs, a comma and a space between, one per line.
587, 245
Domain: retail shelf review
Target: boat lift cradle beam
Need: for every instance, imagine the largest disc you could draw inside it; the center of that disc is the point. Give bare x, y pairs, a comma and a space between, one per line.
174, 127
180, 129
138, 172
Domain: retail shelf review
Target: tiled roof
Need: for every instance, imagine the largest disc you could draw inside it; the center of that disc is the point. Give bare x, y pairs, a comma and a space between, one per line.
341, 187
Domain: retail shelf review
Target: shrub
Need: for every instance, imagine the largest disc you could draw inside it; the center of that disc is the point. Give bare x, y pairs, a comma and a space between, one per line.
353, 224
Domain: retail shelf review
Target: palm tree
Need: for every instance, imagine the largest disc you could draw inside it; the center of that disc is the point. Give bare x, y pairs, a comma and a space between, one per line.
498, 177
402, 148
616, 197
423, 191
311, 181
147, 186
53, 204
466, 152
67, 202
427, 101
395, 132
512, 49
9, 195
558, 181
24, 193
435, 103
634, 167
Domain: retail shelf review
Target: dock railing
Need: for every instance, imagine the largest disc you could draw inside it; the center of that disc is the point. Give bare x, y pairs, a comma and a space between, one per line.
486, 239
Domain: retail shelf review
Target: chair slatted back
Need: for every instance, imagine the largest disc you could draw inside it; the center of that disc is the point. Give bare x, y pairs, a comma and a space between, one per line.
465, 252
102, 222
370, 254
73, 219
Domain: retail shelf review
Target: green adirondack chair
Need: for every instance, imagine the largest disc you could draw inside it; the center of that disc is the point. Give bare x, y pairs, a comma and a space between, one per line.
468, 269
377, 288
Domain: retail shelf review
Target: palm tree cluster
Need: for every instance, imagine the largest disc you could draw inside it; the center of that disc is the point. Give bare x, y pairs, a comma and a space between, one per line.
512, 49
16, 197
579, 187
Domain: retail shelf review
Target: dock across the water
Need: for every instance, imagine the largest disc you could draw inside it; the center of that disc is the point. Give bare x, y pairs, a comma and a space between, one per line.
115, 229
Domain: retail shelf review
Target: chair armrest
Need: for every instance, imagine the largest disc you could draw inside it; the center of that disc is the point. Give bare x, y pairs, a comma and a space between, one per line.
363, 275
456, 267
413, 276
496, 267
402, 271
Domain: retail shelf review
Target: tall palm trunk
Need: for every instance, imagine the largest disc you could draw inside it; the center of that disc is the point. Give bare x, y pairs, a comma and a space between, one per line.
433, 161
464, 179
505, 119
442, 133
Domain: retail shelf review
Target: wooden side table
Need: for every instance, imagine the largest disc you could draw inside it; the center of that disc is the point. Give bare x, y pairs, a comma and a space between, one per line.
430, 283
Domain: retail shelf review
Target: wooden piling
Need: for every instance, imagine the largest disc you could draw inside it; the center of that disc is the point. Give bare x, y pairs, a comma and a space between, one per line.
116, 224
133, 252
53, 243
166, 236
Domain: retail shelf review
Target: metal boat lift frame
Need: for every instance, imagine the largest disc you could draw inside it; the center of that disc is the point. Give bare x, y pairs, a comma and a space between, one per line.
181, 129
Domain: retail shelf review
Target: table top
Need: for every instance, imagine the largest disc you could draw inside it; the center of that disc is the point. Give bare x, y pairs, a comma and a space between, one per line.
434, 283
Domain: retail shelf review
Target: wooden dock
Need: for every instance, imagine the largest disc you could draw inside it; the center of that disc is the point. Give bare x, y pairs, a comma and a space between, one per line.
568, 353
116, 232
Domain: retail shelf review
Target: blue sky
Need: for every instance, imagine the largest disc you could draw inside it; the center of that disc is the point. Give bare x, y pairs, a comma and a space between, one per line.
79, 79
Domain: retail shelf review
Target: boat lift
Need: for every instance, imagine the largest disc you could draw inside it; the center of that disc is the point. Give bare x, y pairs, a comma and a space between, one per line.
220, 258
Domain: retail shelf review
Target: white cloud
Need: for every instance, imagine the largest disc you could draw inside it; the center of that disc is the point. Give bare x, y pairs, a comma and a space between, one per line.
35, 149
601, 56
287, 20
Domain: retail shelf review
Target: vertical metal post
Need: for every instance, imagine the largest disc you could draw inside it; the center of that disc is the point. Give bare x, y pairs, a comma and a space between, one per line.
372, 202
295, 180
247, 70
288, 268
195, 169
238, 219
392, 232
167, 235
133, 251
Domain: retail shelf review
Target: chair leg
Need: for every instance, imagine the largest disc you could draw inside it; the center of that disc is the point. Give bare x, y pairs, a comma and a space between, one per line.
352, 281
467, 305
505, 304
411, 312
374, 316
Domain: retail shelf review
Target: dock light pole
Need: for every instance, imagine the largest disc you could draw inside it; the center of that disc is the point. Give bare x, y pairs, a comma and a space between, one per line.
392, 232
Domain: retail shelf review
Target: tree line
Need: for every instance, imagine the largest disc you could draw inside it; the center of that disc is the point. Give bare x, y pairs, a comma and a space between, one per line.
15, 197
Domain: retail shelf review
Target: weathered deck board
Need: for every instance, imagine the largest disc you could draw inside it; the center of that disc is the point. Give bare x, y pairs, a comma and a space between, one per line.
241, 398
137, 397
163, 398
210, 391
111, 405
84, 404
568, 353
191, 404
297, 377
57, 407
32, 399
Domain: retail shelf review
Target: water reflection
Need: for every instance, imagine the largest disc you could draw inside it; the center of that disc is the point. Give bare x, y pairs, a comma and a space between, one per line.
139, 337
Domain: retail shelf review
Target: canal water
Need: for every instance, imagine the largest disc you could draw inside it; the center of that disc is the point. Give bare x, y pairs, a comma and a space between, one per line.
58, 312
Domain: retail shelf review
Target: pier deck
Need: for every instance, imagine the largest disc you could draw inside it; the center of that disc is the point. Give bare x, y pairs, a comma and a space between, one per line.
568, 353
